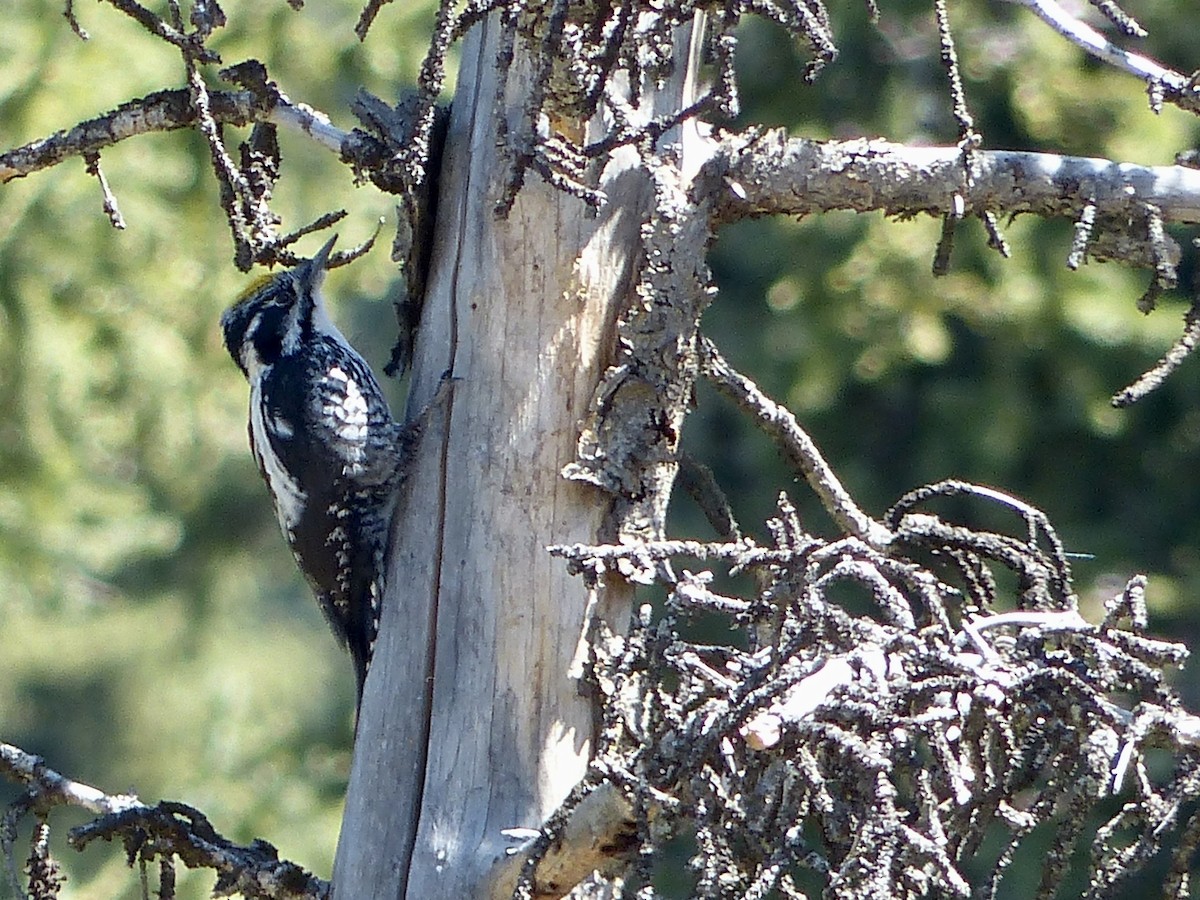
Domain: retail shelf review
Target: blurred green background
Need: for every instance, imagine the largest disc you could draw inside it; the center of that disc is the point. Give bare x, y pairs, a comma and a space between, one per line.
156, 636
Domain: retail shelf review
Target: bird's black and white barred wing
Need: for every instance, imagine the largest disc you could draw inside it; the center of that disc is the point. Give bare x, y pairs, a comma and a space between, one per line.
353, 414
323, 416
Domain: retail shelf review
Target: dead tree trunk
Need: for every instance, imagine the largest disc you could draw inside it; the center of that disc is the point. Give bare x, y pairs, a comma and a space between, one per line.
471, 722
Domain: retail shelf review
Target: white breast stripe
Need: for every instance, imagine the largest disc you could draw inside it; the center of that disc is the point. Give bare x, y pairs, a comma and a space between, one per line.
282, 427
289, 499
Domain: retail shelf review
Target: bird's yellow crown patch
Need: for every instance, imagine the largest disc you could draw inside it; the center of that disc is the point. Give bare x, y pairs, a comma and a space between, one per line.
254, 287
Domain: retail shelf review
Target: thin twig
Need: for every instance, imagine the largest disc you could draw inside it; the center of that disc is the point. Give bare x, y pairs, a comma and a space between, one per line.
154, 23
69, 14
1083, 35
799, 447
701, 484
968, 141
110, 201
1170, 361
367, 17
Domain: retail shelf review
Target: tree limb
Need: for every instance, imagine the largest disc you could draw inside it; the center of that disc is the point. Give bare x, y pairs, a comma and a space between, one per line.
1178, 88
159, 111
771, 174
597, 834
56, 789
166, 830
170, 110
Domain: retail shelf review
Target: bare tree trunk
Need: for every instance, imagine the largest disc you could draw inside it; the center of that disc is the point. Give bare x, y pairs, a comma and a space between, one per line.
470, 723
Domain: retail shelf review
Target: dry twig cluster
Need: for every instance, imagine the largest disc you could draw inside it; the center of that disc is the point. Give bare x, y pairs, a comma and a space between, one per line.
883, 753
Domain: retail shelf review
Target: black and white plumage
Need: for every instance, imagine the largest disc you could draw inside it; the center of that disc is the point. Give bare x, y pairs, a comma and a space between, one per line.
325, 443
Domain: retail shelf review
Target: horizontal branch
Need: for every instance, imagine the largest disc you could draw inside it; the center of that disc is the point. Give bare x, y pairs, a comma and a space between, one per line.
166, 830
777, 175
159, 111
171, 110
56, 788
764, 175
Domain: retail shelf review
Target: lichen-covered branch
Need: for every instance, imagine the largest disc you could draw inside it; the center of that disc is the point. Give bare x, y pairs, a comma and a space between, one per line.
629, 440
1121, 210
171, 110
166, 832
56, 789
772, 174
878, 750
161, 111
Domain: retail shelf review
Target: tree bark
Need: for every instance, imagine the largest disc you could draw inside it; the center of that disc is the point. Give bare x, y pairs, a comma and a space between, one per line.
470, 723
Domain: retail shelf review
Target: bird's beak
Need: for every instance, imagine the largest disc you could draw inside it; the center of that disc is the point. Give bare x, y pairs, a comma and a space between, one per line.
313, 271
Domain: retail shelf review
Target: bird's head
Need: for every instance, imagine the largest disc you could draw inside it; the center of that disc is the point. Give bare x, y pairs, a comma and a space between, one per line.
277, 314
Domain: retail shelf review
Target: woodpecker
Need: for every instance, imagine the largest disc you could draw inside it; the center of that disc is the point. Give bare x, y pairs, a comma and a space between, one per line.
326, 444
